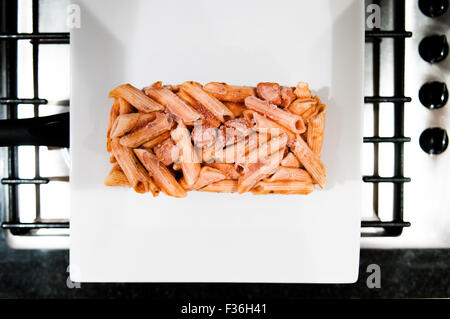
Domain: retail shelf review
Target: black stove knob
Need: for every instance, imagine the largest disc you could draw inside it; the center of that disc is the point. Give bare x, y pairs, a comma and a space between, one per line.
433, 95
433, 8
434, 140
433, 48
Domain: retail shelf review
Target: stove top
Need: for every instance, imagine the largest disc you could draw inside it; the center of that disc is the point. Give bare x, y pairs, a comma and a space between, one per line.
427, 159
394, 149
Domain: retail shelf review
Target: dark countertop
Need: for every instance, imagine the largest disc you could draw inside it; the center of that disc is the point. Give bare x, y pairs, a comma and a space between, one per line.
404, 273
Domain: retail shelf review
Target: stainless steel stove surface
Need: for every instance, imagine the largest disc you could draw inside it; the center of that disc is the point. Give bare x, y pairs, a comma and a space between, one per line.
47, 202
426, 204
426, 198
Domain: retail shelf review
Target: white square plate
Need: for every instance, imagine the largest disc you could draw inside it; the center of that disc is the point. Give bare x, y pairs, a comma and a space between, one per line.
118, 235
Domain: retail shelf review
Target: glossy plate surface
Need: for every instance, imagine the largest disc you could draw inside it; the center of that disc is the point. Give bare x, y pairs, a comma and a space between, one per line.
118, 235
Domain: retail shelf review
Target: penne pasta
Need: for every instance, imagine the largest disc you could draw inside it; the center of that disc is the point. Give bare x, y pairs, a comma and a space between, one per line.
186, 97
173, 103
125, 123
113, 114
136, 98
148, 132
230, 153
264, 150
290, 174
258, 171
310, 161
217, 108
159, 85
133, 170
309, 113
318, 101
154, 189
300, 106
236, 108
190, 164
161, 175
302, 90
229, 170
319, 106
290, 161
235, 152
125, 107
216, 138
207, 115
316, 130
207, 176
229, 93
265, 125
283, 187
173, 88
155, 141
291, 121
223, 186
116, 177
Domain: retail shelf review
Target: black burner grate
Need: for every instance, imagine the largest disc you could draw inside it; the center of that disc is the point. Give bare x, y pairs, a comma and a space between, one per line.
8, 40
396, 225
